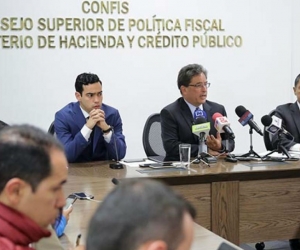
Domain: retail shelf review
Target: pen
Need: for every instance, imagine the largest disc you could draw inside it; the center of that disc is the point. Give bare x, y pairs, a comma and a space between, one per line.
78, 240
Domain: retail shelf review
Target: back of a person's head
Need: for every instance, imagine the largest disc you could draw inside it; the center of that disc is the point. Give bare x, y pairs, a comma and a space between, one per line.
136, 212
24, 154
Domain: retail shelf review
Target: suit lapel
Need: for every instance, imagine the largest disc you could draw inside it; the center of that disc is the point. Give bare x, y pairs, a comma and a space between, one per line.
78, 117
207, 109
296, 115
186, 112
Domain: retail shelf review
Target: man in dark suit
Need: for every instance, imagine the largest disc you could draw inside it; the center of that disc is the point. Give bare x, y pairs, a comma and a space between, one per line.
89, 129
178, 117
290, 115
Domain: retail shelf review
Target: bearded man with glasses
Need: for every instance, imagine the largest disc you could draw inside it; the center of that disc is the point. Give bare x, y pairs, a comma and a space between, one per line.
178, 117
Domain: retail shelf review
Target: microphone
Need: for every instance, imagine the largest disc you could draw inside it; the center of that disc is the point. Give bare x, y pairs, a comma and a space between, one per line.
247, 118
273, 124
200, 113
222, 125
115, 165
201, 127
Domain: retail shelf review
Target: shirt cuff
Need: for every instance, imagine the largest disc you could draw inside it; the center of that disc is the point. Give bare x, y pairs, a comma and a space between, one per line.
295, 147
107, 136
222, 150
86, 132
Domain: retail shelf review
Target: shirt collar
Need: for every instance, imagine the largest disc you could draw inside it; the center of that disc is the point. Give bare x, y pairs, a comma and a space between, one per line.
85, 114
192, 107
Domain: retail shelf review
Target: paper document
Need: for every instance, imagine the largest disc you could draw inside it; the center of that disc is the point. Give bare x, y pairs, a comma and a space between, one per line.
136, 164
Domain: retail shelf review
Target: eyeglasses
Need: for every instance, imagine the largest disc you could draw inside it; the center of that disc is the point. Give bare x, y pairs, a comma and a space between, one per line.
200, 85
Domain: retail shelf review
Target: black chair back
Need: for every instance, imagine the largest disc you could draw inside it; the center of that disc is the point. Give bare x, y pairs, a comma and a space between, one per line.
51, 129
3, 124
152, 140
267, 136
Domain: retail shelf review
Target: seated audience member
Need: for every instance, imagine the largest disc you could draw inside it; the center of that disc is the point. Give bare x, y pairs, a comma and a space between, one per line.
33, 169
178, 117
50, 243
142, 215
290, 115
89, 129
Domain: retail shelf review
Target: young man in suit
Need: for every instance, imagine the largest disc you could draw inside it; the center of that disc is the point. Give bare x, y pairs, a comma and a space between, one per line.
142, 215
290, 115
178, 117
89, 129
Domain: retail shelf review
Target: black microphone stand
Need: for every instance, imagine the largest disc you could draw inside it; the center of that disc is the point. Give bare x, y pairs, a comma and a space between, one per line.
229, 157
280, 149
202, 152
251, 152
115, 165
201, 146
203, 156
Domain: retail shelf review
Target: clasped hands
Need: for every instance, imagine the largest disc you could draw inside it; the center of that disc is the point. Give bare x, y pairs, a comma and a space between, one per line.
97, 117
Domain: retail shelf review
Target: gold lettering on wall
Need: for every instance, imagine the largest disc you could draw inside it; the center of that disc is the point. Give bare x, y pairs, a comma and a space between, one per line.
107, 24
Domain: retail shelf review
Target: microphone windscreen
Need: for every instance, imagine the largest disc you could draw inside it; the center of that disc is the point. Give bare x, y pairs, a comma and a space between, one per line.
216, 115
200, 120
240, 110
266, 120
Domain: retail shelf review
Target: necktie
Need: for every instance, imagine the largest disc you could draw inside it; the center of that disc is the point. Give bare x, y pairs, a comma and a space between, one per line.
91, 146
196, 113
92, 142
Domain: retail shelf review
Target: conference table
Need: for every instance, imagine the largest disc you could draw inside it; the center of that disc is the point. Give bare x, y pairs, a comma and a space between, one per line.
203, 238
241, 202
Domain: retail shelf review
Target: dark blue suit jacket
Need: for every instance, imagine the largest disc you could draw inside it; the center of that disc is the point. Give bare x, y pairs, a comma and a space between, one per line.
290, 115
176, 126
70, 120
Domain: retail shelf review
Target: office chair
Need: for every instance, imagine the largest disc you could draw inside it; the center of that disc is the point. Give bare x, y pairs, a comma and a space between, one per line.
51, 129
152, 140
267, 136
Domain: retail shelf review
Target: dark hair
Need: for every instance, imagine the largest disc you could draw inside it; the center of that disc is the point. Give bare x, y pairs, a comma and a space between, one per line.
24, 154
297, 80
85, 79
186, 74
135, 212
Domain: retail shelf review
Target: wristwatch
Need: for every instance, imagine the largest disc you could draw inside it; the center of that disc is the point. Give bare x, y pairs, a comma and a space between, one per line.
107, 130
